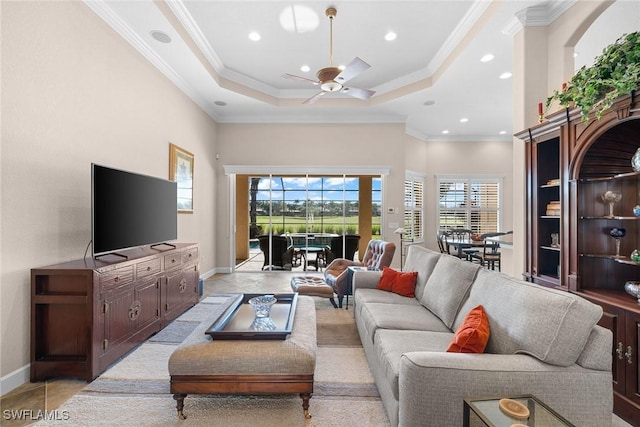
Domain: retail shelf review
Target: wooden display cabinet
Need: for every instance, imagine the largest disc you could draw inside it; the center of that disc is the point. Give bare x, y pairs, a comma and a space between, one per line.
86, 314
593, 157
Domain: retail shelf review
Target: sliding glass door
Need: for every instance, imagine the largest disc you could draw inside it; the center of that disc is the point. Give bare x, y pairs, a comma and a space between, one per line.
312, 207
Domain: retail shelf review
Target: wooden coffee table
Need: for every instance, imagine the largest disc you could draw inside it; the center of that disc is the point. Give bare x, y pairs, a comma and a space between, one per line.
247, 366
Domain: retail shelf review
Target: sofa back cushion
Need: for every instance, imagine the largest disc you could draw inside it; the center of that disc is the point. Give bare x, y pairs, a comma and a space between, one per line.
447, 287
423, 261
550, 325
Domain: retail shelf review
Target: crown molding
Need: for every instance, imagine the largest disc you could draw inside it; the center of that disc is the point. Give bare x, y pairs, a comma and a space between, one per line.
120, 27
305, 170
537, 16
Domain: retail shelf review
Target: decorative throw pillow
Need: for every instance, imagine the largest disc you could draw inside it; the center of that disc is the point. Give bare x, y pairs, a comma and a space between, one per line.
398, 282
386, 280
473, 334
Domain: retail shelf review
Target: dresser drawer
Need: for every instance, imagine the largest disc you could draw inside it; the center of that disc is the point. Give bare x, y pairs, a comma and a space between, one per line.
148, 268
190, 255
116, 278
172, 260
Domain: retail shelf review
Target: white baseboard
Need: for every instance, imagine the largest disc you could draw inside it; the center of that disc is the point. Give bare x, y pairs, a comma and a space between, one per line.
14, 380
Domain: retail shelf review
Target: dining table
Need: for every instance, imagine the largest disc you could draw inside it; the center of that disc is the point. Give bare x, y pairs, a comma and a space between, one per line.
460, 244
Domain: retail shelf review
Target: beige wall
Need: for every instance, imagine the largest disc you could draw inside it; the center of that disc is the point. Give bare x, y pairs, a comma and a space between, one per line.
311, 146
491, 158
74, 92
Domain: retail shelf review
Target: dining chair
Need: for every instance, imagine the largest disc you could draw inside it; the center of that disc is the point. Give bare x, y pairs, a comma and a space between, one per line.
462, 235
490, 255
440, 237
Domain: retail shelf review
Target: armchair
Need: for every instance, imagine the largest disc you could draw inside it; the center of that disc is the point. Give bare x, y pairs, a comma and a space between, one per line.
281, 253
379, 254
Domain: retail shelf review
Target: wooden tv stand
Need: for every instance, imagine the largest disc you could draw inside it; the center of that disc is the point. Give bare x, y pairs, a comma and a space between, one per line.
85, 314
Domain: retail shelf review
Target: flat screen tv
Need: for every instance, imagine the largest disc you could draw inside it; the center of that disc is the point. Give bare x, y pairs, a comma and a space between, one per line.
130, 209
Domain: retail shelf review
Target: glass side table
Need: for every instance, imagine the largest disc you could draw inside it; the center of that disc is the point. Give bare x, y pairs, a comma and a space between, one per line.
486, 412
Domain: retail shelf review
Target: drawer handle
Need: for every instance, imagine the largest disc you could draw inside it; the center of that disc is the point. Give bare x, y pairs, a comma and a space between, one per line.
629, 355
134, 310
116, 279
182, 286
148, 268
620, 350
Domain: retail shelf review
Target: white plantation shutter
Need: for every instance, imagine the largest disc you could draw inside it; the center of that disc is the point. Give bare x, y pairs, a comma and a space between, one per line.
413, 208
469, 202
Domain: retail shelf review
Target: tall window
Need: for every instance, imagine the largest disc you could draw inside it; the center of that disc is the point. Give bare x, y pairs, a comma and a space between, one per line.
413, 208
469, 202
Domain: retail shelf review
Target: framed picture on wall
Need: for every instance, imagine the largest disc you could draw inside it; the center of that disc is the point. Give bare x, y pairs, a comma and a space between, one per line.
181, 171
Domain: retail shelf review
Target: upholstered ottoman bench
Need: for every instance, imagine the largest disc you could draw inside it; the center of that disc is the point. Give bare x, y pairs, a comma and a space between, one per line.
312, 286
201, 365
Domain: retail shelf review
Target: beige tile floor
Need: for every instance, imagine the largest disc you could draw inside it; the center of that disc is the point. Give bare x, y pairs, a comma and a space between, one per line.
51, 394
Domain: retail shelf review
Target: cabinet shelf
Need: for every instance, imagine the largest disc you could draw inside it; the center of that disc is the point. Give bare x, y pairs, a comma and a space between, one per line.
550, 185
550, 216
550, 248
620, 259
612, 177
625, 218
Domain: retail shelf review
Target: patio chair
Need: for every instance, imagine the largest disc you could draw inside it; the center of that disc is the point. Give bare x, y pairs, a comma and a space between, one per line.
282, 253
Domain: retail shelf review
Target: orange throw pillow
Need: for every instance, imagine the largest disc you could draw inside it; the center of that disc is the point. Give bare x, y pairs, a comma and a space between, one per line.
387, 278
473, 334
398, 282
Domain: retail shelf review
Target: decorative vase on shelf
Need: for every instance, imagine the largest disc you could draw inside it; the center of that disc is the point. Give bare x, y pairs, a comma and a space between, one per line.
636, 210
635, 161
617, 233
611, 198
635, 255
633, 289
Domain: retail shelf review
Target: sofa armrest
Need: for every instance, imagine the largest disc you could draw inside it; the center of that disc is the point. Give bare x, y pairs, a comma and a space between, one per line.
433, 386
366, 279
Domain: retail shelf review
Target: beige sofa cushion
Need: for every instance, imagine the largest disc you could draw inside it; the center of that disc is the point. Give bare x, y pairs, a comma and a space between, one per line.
423, 261
376, 316
550, 325
447, 287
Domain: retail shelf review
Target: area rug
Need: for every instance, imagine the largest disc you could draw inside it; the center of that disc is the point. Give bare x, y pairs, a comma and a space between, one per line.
135, 391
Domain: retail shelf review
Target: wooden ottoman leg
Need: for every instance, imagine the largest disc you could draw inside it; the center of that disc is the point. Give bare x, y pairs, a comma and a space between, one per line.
179, 398
305, 404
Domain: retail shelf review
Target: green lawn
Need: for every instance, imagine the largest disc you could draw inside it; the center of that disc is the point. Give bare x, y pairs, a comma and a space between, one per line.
327, 224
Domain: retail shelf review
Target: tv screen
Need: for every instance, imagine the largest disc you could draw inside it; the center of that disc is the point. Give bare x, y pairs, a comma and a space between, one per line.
129, 209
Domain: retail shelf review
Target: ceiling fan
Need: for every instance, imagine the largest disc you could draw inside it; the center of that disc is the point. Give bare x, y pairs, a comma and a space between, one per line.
332, 79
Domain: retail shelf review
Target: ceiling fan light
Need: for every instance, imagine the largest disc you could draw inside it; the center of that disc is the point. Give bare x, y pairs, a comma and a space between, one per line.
331, 86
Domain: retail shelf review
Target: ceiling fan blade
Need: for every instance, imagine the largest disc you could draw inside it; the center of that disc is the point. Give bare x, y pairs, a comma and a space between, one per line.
356, 92
314, 98
300, 79
356, 67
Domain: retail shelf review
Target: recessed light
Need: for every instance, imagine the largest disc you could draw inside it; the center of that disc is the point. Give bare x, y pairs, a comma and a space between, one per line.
298, 19
575, 54
505, 75
464, 120
161, 36
429, 102
390, 36
342, 67
220, 103
503, 132
486, 58
305, 68
254, 36
444, 132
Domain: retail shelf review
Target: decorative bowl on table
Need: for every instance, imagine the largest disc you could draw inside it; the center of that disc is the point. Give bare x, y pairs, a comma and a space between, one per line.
262, 324
262, 305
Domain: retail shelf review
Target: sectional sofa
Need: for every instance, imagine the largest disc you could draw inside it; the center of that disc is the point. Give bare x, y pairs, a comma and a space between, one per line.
542, 341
